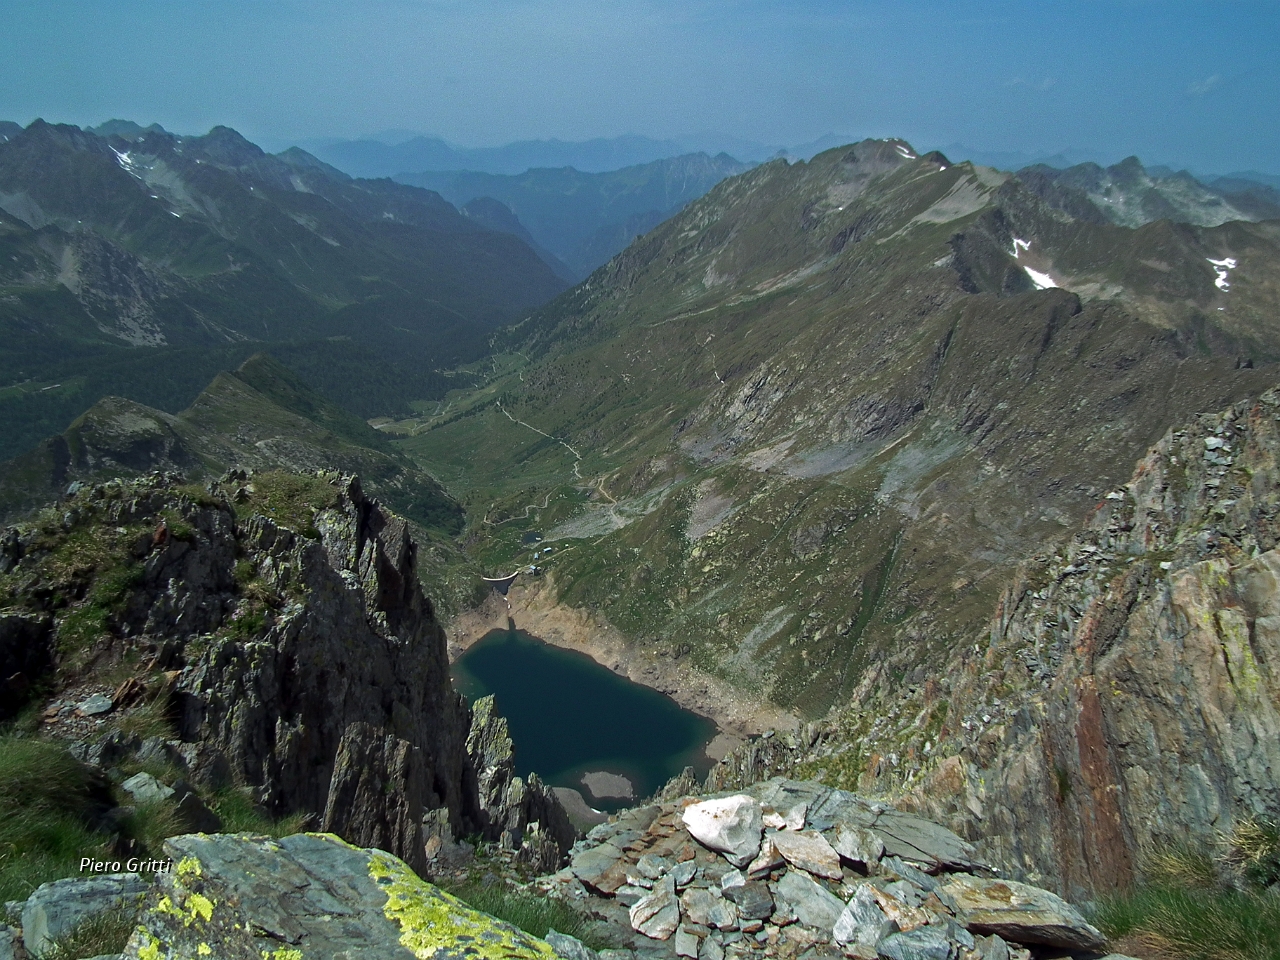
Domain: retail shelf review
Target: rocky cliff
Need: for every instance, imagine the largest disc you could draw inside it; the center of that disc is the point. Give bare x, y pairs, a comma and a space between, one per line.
1125, 699
279, 621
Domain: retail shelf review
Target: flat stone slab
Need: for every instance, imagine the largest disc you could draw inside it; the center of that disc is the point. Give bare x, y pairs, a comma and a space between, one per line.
310, 895
813, 903
903, 834
809, 851
1023, 913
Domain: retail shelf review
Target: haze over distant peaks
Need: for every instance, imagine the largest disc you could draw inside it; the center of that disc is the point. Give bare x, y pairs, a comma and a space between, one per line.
385, 156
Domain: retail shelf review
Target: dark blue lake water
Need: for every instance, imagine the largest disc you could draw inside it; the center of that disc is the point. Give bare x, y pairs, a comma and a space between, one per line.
569, 716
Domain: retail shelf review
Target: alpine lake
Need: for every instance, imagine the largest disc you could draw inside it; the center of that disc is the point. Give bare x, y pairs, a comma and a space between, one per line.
580, 726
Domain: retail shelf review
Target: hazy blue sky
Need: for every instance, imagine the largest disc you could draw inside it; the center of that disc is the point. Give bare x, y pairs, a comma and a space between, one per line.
1189, 83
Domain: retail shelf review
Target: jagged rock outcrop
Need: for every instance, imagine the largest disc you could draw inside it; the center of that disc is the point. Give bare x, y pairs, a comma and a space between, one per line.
281, 618
310, 895
523, 815
375, 793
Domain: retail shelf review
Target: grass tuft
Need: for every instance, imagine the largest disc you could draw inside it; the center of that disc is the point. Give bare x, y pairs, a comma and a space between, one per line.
44, 795
239, 814
532, 914
1191, 924
105, 933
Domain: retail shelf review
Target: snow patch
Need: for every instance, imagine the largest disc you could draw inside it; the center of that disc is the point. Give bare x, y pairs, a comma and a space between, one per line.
904, 152
1019, 243
127, 163
1042, 280
1220, 267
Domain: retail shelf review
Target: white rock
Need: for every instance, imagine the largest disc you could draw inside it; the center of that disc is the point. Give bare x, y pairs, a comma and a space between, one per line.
729, 825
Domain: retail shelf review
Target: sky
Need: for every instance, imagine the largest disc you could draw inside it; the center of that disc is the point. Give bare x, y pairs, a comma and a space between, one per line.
1191, 84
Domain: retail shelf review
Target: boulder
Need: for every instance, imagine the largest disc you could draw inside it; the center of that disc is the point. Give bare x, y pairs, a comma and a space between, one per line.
310, 895
814, 905
658, 914
9, 943
728, 825
768, 859
858, 845
809, 851
94, 705
683, 873
862, 921
723, 915
1022, 913
922, 944
57, 908
697, 904
687, 943
904, 834
144, 788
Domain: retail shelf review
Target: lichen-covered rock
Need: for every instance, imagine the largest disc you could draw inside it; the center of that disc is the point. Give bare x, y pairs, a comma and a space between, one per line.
310, 895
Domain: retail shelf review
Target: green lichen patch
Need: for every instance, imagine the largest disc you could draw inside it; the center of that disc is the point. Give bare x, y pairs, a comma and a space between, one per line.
435, 924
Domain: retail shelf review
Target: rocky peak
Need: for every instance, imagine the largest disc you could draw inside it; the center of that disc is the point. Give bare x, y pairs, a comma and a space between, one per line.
304, 663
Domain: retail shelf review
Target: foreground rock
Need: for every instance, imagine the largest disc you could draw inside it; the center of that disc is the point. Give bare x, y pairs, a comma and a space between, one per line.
310, 895
835, 873
57, 908
281, 621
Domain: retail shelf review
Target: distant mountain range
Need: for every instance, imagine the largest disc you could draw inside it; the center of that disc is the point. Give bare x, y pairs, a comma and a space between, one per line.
808, 426
398, 152
584, 219
1132, 195
140, 263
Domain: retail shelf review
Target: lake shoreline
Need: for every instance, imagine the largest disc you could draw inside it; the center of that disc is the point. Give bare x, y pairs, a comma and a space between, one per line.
535, 610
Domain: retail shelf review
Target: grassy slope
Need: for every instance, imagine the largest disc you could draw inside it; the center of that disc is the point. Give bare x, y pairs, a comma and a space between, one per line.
841, 363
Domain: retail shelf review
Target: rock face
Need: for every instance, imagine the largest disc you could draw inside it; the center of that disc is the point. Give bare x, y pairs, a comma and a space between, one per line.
1140, 670
375, 794
362, 653
525, 816
299, 656
650, 876
310, 895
